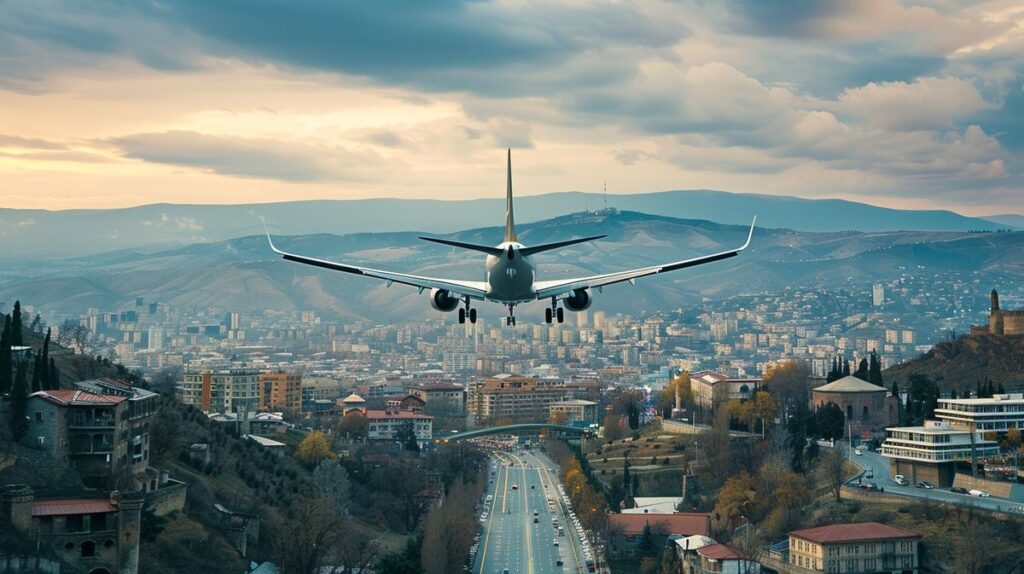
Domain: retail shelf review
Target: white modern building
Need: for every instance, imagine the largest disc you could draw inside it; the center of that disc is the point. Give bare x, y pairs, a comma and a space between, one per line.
997, 414
931, 452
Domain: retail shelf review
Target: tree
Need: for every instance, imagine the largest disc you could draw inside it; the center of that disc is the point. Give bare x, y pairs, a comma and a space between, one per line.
44, 362
833, 469
862, 370
6, 374
37, 374
19, 402
829, 422
353, 426
665, 399
646, 545
899, 402
332, 483
875, 370
314, 536
614, 428
407, 436
314, 448
846, 367
17, 335
54, 377
789, 383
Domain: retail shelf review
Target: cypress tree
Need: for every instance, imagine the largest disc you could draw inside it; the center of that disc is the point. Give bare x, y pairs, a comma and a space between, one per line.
1000, 389
19, 402
875, 370
952, 394
37, 374
991, 389
846, 368
862, 370
977, 392
17, 338
899, 402
54, 376
6, 377
44, 362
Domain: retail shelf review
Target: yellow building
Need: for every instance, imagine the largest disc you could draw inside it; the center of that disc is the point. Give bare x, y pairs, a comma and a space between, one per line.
857, 548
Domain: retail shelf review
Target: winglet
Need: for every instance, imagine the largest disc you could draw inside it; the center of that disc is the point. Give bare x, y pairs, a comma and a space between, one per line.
750, 235
269, 240
510, 223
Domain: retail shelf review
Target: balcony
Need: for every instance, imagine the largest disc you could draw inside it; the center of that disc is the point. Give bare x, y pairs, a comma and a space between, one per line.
91, 422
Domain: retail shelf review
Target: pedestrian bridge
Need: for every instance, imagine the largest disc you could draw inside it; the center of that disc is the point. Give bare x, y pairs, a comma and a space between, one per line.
512, 429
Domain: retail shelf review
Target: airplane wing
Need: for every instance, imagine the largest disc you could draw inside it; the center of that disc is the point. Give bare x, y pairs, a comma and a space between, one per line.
471, 289
558, 287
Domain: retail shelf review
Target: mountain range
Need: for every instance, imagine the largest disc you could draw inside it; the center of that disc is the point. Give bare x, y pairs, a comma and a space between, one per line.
244, 274
34, 234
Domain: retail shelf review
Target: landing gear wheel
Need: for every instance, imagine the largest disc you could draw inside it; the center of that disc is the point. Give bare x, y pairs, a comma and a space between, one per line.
547, 315
462, 316
561, 315
472, 316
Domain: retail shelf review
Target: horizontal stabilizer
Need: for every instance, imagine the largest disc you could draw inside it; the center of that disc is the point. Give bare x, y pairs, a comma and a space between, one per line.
472, 246
527, 251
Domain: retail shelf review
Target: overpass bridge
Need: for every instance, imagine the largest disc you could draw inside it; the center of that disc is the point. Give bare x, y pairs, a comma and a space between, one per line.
512, 429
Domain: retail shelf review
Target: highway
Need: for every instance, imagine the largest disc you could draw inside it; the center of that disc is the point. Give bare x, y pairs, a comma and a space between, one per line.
510, 539
879, 465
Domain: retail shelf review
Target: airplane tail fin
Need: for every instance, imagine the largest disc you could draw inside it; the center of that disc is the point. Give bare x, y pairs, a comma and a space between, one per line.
533, 249
510, 223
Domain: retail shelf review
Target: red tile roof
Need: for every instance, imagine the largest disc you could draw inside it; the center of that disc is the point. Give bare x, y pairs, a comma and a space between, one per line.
370, 414
719, 552
856, 532
66, 397
64, 507
681, 523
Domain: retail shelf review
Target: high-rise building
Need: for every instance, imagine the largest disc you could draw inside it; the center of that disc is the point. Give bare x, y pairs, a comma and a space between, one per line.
221, 389
281, 391
877, 294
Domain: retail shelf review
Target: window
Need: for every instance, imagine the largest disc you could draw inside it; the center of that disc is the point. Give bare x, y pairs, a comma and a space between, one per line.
39, 416
88, 549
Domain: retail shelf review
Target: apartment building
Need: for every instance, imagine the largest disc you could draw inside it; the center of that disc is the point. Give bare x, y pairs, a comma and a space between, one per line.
281, 391
513, 397
388, 424
571, 412
855, 548
441, 399
710, 388
221, 389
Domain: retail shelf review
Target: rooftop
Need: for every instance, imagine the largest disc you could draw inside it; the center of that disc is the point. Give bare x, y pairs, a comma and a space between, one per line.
719, 552
683, 523
371, 414
855, 532
65, 507
996, 399
850, 384
71, 397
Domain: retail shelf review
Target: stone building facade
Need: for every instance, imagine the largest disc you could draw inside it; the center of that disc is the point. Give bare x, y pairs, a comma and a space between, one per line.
868, 408
1001, 322
93, 535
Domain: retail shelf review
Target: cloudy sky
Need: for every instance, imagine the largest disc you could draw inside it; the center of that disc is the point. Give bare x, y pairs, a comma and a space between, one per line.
110, 104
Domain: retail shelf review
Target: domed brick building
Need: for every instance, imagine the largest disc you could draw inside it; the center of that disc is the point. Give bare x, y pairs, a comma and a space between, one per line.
868, 408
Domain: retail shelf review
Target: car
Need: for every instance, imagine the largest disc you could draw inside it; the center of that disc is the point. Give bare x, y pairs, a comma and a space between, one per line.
558, 563
900, 480
533, 487
925, 484
868, 486
869, 474
980, 493
858, 451
556, 542
536, 520
958, 490
515, 487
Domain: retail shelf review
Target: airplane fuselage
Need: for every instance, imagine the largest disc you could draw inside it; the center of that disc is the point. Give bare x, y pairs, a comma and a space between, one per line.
510, 276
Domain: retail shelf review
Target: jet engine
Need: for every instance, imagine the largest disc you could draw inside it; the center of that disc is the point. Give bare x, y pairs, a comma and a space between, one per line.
442, 300
578, 300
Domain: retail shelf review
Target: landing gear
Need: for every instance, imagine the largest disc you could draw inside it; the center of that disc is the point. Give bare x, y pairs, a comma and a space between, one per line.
554, 312
510, 321
467, 313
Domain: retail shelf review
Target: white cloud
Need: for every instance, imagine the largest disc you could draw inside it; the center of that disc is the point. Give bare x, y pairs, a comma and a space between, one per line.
925, 104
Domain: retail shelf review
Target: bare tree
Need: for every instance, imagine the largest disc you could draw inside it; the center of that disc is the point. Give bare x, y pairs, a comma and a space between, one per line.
331, 481
75, 335
833, 465
316, 539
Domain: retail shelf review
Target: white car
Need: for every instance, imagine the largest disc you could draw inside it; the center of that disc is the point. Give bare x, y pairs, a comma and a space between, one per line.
979, 493
858, 451
900, 480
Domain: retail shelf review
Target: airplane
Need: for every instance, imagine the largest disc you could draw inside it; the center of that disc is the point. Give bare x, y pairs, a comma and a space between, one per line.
510, 277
